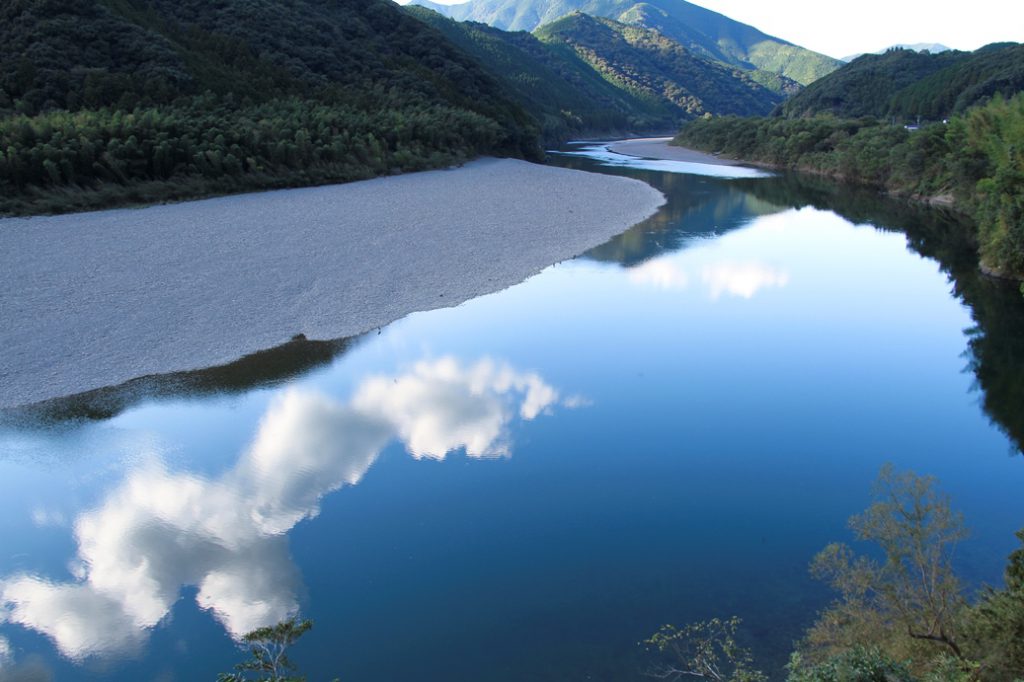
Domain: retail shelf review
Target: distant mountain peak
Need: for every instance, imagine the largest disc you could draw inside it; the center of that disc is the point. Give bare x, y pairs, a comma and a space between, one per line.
700, 30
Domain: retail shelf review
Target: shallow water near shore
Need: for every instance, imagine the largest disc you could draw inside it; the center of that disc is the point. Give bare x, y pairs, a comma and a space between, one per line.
525, 486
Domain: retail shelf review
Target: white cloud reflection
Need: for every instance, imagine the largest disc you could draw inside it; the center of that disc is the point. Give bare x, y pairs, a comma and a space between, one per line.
660, 273
160, 530
739, 279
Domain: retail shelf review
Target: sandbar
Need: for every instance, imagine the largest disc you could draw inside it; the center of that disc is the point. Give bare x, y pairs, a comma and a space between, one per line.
92, 300
659, 148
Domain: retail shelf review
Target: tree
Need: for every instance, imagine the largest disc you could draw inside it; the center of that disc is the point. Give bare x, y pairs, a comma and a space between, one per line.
855, 665
268, 647
910, 600
705, 650
995, 627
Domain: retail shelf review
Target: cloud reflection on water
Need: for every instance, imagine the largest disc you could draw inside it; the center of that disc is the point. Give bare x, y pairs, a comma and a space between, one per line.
742, 279
159, 530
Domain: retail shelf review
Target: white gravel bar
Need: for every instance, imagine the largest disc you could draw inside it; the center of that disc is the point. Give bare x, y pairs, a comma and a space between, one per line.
94, 299
659, 148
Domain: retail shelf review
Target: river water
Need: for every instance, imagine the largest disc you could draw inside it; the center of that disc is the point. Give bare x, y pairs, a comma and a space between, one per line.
525, 486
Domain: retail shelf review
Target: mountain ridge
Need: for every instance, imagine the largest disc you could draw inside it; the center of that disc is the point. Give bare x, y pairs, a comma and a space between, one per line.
647, 63
906, 84
701, 30
933, 48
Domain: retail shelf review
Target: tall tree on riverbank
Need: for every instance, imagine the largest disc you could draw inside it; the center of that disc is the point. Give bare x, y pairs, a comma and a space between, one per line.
268, 649
902, 617
910, 598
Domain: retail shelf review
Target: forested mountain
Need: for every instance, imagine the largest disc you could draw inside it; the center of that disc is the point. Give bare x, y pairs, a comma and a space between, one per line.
907, 84
659, 69
700, 30
968, 81
107, 101
561, 90
933, 48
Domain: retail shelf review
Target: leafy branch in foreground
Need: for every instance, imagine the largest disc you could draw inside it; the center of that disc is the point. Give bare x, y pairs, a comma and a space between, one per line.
269, 660
705, 650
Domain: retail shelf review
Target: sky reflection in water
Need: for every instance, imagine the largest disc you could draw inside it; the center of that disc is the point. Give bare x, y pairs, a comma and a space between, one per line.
161, 530
744, 369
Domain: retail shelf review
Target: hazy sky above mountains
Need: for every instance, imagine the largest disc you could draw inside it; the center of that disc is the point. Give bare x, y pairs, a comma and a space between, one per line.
842, 29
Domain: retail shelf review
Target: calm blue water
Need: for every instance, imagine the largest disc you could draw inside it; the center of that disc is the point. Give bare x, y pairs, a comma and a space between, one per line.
527, 485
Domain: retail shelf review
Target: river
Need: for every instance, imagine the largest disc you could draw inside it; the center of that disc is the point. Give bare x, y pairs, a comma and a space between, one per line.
526, 485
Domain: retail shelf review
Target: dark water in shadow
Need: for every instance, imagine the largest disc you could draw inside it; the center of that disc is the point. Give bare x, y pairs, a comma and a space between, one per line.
525, 486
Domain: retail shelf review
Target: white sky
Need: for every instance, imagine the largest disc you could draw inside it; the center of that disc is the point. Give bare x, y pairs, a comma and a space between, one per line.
844, 28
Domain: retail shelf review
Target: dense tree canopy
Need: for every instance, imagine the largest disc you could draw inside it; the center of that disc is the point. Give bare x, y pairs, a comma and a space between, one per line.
908, 85
108, 101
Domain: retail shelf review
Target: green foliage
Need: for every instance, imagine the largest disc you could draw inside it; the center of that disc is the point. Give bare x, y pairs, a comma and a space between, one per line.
978, 159
993, 138
268, 648
865, 86
995, 626
702, 32
907, 85
704, 650
657, 69
905, 619
913, 597
175, 98
859, 664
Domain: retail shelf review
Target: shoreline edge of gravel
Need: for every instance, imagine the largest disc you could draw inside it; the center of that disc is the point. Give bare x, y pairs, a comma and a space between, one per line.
659, 148
93, 300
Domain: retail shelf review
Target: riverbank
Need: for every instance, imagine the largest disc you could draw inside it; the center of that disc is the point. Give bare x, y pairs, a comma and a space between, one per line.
96, 299
963, 158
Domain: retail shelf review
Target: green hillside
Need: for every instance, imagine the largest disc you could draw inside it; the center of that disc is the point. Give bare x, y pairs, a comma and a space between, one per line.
700, 30
658, 69
115, 101
971, 80
907, 84
561, 90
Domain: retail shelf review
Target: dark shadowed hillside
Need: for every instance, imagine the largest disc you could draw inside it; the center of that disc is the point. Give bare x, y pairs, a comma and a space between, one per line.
117, 101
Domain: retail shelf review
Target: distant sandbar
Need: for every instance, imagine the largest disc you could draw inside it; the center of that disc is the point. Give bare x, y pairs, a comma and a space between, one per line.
659, 148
